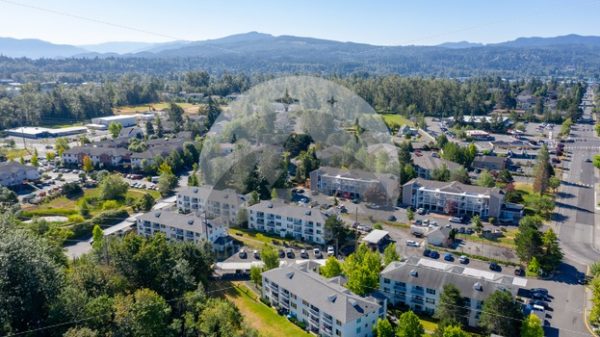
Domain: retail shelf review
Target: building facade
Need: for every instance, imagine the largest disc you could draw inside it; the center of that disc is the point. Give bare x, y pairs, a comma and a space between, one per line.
355, 184
327, 308
418, 284
453, 198
286, 220
214, 203
181, 227
13, 173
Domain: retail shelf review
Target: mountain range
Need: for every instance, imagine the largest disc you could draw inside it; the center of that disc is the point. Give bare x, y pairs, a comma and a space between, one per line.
254, 42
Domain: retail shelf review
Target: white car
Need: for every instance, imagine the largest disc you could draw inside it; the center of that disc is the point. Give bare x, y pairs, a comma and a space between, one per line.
330, 251
412, 243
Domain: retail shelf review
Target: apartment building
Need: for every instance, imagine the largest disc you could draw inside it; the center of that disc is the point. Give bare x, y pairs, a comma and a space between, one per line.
210, 201
181, 227
453, 198
100, 156
288, 220
418, 283
324, 305
355, 184
13, 173
426, 162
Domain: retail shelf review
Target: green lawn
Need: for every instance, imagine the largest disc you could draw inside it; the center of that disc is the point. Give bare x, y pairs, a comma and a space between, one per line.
260, 316
395, 121
507, 241
255, 239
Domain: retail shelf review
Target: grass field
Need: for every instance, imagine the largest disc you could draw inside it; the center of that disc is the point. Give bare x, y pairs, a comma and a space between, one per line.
395, 121
257, 240
508, 240
260, 316
66, 206
133, 109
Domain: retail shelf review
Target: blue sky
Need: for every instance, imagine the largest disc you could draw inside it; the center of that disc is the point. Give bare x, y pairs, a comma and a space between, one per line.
421, 22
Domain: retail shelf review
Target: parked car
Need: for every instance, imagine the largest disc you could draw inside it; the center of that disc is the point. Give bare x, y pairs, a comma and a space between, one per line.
330, 251
427, 252
421, 211
434, 255
290, 253
463, 259
448, 257
519, 271
494, 266
304, 254
391, 218
256, 254
540, 303
317, 253
281, 253
455, 219
242, 254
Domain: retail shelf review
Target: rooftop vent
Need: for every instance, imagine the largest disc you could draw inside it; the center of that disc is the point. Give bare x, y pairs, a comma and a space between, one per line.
269, 205
352, 302
332, 298
307, 212
190, 222
290, 275
157, 214
477, 286
414, 273
195, 190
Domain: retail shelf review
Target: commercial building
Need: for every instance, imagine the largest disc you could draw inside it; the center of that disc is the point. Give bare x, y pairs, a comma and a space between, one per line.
13, 173
125, 120
453, 198
355, 184
418, 284
324, 305
181, 227
210, 201
426, 162
286, 220
40, 132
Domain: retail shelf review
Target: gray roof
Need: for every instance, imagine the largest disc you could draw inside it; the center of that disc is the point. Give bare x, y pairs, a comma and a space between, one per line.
429, 162
191, 222
278, 207
375, 236
455, 187
14, 167
206, 192
327, 295
437, 274
491, 159
98, 151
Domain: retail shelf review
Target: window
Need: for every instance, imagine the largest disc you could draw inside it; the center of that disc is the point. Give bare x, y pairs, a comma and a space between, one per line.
338, 322
386, 280
431, 291
293, 305
430, 300
305, 303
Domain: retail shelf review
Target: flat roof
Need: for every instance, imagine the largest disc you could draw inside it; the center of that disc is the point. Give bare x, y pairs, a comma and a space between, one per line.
118, 117
375, 236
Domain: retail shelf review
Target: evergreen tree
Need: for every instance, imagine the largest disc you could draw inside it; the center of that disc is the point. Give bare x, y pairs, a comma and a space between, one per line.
542, 171
501, 314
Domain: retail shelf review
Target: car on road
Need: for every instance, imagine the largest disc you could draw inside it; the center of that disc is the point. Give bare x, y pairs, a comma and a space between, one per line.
412, 243
242, 254
495, 267
317, 253
330, 251
463, 259
304, 254
448, 257
290, 254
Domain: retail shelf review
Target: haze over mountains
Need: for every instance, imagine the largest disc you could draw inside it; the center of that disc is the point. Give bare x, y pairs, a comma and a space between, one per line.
253, 41
569, 55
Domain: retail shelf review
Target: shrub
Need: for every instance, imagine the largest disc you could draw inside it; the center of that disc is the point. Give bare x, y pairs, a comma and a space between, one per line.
110, 204
76, 218
71, 190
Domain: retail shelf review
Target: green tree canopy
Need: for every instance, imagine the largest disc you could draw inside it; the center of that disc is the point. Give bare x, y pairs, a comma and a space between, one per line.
501, 314
409, 325
362, 270
532, 327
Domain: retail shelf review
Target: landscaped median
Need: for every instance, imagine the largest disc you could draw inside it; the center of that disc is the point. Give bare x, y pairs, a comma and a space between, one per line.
261, 317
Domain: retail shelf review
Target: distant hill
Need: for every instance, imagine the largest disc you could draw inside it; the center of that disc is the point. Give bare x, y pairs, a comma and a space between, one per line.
571, 39
460, 45
570, 55
34, 48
